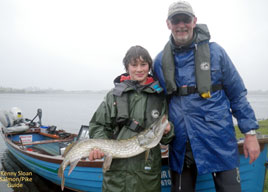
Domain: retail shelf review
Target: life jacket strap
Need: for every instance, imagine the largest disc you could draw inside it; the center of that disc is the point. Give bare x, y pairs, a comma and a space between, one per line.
187, 90
130, 124
134, 126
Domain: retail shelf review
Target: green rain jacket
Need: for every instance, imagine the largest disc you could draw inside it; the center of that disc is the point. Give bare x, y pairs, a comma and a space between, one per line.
145, 104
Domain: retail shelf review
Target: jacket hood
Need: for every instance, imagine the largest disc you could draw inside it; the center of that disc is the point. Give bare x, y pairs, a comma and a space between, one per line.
202, 33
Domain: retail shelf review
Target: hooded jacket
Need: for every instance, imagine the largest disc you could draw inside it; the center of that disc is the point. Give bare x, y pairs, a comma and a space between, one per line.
206, 123
131, 174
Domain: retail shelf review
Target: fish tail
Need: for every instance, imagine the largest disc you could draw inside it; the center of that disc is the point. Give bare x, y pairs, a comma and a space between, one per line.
61, 175
60, 172
62, 183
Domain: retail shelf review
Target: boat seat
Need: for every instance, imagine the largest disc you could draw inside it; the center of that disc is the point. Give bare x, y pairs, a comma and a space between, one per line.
83, 133
49, 148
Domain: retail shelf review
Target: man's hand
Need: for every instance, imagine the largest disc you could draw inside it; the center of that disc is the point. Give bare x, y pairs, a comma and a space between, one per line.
95, 154
251, 148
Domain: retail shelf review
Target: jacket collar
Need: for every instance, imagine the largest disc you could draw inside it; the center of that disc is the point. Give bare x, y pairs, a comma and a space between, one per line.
124, 84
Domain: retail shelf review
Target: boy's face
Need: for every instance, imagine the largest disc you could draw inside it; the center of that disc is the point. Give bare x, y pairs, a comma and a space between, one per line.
138, 70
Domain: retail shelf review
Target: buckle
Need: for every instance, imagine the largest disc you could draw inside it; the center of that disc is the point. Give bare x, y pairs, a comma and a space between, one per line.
183, 91
206, 95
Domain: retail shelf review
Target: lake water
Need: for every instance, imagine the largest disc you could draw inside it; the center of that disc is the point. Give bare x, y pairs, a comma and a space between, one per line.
69, 112
66, 111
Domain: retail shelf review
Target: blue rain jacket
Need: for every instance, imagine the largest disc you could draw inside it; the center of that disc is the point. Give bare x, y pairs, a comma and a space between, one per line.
207, 123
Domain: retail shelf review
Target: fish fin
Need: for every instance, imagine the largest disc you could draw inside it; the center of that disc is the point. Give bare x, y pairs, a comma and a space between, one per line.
107, 163
147, 152
68, 148
73, 165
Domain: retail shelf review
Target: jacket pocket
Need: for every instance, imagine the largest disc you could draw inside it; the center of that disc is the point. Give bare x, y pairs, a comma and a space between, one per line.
216, 73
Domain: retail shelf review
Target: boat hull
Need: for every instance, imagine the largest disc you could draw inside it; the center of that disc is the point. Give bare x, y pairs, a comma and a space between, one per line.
87, 176
252, 176
82, 178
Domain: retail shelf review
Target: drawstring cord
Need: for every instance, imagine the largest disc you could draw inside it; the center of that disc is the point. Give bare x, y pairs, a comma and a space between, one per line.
180, 183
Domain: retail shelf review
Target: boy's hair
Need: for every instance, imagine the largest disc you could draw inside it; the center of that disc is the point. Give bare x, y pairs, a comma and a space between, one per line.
134, 53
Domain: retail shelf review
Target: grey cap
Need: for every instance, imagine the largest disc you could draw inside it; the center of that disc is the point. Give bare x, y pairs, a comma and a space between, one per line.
180, 7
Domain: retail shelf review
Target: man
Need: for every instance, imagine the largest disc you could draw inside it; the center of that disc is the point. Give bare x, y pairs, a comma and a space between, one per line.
204, 90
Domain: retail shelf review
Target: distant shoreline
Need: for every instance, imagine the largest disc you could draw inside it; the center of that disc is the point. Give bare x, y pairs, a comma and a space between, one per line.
59, 91
46, 91
56, 92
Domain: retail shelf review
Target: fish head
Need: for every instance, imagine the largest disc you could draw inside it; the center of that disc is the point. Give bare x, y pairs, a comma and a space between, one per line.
152, 136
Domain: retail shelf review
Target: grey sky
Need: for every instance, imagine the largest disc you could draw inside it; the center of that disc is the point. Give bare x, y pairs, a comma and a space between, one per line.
80, 44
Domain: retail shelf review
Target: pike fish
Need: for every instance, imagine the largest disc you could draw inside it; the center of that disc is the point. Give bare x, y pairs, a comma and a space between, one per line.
126, 148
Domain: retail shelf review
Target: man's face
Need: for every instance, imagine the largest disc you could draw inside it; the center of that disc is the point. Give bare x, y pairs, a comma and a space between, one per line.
182, 27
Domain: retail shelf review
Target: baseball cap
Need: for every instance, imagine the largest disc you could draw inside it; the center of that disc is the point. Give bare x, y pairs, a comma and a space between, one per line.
180, 7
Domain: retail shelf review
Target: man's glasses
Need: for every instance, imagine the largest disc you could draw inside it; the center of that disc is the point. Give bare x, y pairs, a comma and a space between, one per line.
181, 18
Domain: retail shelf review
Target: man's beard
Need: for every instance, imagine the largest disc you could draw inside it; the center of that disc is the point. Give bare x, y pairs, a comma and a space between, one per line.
182, 39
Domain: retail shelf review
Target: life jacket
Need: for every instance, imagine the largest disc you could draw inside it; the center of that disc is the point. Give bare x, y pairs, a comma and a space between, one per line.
202, 66
153, 106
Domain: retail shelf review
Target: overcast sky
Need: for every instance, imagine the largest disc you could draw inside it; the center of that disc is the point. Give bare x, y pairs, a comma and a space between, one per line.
80, 44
